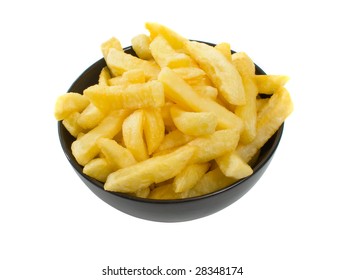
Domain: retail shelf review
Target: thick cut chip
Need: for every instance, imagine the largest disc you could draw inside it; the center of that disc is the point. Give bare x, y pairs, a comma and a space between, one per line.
120, 62
225, 49
182, 93
206, 91
174, 139
232, 165
153, 128
90, 117
85, 148
190, 73
98, 168
132, 131
175, 40
71, 124
194, 123
165, 55
243, 64
133, 96
153, 170
143, 193
194, 76
215, 145
189, 176
69, 103
248, 111
104, 77
112, 43
140, 44
134, 76
212, 181
269, 120
115, 154
268, 84
220, 71
165, 192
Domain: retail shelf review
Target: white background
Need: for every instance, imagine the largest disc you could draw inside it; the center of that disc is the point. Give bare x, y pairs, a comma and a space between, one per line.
289, 226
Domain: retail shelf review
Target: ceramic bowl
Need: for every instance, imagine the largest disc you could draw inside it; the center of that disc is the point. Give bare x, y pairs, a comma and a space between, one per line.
165, 210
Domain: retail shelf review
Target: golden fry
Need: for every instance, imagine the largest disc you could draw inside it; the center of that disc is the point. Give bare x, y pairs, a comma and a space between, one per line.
221, 72
153, 170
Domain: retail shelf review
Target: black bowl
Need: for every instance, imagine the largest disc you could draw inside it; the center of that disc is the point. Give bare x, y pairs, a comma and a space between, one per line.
165, 210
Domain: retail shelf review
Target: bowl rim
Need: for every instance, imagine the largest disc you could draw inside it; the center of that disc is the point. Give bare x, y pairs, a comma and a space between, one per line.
78, 168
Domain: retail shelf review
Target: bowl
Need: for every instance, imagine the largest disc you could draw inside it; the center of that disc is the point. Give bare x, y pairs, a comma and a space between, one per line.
165, 210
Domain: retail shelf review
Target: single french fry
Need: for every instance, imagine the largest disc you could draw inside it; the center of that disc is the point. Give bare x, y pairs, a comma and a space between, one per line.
98, 168
104, 76
225, 49
194, 123
85, 148
215, 145
190, 73
133, 96
112, 43
194, 76
116, 155
174, 139
166, 56
175, 40
212, 181
132, 130
133, 76
140, 44
220, 71
153, 128
153, 170
142, 193
248, 111
189, 176
232, 165
165, 192
90, 117
69, 103
71, 124
244, 64
269, 120
268, 84
206, 91
119, 62
182, 93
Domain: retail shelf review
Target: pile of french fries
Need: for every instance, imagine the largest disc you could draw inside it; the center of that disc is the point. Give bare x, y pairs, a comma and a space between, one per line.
182, 119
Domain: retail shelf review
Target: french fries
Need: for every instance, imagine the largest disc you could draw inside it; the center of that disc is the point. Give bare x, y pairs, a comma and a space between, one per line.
247, 112
166, 56
180, 92
182, 119
194, 123
220, 71
132, 130
154, 128
153, 170
140, 44
132, 96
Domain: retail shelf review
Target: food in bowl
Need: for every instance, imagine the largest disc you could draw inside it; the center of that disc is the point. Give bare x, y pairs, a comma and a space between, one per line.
181, 119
